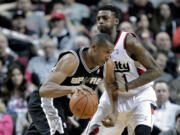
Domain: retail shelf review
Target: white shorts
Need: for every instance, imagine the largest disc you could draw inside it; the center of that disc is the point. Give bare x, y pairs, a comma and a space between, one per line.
128, 102
136, 113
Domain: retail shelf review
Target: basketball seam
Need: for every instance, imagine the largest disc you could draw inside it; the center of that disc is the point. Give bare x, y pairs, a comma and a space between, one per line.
92, 104
85, 106
78, 101
74, 106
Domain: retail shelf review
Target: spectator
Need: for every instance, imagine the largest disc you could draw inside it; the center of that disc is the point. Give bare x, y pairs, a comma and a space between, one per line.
175, 86
157, 2
163, 43
76, 12
55, 5
58, 6
176, 129
144, 34
175, 9
127, 27
35, 21
44, 63
19, 23
165, 112
93, 31
176, 40
163, 20
161, 59
141, 6
5, 22
6, 123
81, 41
16, 89
61, 35
2, 74
5, 52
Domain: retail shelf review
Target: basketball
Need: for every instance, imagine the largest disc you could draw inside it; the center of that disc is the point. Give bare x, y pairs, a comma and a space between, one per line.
83, 105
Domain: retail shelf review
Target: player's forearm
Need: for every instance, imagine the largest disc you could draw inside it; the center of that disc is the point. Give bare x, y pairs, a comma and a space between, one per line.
113, 96
53, 90
145, 78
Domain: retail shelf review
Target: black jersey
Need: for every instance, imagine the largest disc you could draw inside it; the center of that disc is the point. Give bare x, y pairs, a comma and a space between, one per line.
82, 75
56, 109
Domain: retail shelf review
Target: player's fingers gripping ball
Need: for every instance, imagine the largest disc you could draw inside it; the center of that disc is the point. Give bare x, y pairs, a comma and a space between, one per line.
83, 104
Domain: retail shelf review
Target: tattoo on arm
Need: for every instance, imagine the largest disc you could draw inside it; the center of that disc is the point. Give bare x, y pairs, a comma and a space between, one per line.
135, 48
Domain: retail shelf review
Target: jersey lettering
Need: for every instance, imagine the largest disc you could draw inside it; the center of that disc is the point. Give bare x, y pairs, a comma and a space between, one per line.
119, 67
79, 80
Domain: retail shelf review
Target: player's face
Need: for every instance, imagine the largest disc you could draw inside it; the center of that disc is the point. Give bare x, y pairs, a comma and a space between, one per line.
103, 54
105, 21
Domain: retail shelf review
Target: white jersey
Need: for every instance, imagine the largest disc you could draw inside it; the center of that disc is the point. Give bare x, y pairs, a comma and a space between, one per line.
134, 106
125, 65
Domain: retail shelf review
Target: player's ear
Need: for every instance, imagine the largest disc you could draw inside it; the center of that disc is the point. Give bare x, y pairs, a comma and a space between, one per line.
94, 46
116, 21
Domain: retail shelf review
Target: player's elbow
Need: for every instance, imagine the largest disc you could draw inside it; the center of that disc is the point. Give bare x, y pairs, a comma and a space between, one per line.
42, 91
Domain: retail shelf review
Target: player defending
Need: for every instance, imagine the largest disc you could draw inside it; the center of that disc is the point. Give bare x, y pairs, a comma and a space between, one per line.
135, 94
50, 110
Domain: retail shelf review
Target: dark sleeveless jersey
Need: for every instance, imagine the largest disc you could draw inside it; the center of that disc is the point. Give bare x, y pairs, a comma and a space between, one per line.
82, 75
58, 108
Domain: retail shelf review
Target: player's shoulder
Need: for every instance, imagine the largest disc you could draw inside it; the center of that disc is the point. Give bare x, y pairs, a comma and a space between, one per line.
69, 57
132, 42
131, 37
67, 61
69, 54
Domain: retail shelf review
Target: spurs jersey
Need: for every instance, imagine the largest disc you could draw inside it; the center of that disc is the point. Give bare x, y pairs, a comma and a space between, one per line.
125, 65
53, 111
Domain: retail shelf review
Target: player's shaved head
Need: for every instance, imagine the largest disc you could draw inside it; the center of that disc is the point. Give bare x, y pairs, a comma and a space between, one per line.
102, 39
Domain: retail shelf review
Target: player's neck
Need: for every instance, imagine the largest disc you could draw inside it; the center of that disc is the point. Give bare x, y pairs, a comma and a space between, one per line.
113, 34
88, 59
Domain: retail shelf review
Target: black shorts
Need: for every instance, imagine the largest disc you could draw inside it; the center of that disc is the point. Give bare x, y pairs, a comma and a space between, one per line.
32, 130
40, 124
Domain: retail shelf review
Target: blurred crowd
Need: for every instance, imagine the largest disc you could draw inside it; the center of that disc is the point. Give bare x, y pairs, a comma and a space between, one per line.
34, 32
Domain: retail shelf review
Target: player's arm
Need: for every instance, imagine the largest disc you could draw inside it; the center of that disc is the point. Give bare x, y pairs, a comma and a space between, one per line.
136, 49
110, 83
65, 67
111, 87
52, 87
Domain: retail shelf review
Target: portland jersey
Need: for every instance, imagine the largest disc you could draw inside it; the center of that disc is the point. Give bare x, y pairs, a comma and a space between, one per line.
125, 65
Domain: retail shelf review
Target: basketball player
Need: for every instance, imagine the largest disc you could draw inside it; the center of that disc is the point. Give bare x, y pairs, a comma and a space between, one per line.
50, 109
135, 94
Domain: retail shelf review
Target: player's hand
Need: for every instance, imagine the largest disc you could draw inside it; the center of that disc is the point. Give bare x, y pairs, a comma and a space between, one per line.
110, 120
84, 89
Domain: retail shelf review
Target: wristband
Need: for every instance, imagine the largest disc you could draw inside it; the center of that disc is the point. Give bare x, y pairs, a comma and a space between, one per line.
126, 87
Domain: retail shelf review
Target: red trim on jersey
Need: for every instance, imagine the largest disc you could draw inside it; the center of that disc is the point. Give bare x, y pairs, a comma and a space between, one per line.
140, 71
95, 131
118, 38
152, 111
125, 40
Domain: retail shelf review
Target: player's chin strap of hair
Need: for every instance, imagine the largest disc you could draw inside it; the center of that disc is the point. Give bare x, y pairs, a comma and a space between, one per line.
126, 87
